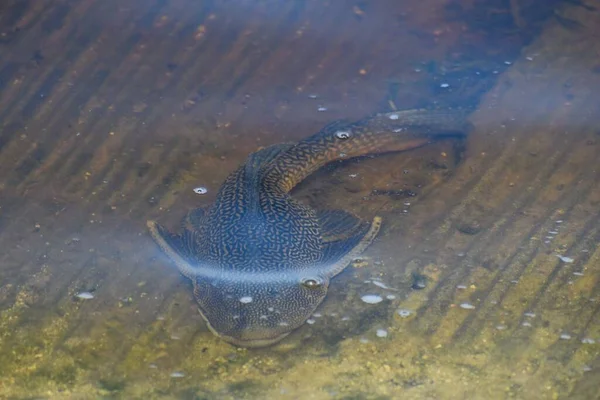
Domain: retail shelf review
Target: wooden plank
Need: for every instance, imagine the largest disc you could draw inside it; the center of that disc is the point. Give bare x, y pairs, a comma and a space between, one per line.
112, 111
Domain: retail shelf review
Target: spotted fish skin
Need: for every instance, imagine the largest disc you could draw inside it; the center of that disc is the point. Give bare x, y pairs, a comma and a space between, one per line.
261, 261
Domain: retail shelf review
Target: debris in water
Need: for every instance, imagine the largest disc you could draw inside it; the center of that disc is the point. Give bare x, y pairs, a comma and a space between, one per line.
381, 285
84, 295
565, 336
565, 259
381, 333
371, 298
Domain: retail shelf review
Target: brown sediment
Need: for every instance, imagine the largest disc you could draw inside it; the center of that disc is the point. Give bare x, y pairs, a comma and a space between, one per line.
73, 207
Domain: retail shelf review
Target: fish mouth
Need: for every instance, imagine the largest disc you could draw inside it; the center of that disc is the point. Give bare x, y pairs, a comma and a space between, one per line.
248, 343
252, 343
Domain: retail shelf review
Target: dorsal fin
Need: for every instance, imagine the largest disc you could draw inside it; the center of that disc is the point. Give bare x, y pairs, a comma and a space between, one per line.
264, 156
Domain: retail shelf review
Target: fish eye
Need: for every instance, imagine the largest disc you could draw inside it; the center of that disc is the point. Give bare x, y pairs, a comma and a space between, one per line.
312, 283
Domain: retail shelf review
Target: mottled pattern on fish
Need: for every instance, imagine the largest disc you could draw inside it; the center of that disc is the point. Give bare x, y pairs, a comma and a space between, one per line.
260, 260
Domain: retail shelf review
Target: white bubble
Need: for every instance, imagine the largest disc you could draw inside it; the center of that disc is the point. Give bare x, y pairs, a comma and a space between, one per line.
393, 116
321, 109
371, 298
445, 85
390, 297
310, 321
588, 341
467, 306
177, 374
404, 313
381, 333
85, 295
246, 299
200, 190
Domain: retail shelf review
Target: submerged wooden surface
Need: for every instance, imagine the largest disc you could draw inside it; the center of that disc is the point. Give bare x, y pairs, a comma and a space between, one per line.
112, 112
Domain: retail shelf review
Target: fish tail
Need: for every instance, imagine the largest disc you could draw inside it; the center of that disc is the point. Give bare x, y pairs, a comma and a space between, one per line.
381, 133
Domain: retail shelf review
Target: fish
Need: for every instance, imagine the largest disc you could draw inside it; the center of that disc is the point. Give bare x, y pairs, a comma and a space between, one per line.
261, 261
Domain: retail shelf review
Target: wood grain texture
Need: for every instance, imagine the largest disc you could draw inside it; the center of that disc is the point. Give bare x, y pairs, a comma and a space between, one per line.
111, 112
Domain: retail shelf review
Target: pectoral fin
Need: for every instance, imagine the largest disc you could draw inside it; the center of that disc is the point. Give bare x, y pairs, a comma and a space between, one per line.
179, 248
338, 254
338, 225
193, 220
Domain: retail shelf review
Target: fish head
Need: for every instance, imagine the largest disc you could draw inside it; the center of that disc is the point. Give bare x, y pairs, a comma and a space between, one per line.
256, 309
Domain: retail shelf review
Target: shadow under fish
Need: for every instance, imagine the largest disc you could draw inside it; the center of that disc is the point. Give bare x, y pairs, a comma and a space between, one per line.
260, 261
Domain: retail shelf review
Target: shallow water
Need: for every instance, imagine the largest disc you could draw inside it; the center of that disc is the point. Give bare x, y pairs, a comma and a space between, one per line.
484, 282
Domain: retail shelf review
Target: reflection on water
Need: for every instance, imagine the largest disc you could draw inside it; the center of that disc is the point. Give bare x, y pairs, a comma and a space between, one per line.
483, 282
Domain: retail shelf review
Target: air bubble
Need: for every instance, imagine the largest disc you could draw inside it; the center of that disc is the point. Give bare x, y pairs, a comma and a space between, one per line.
200, 190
